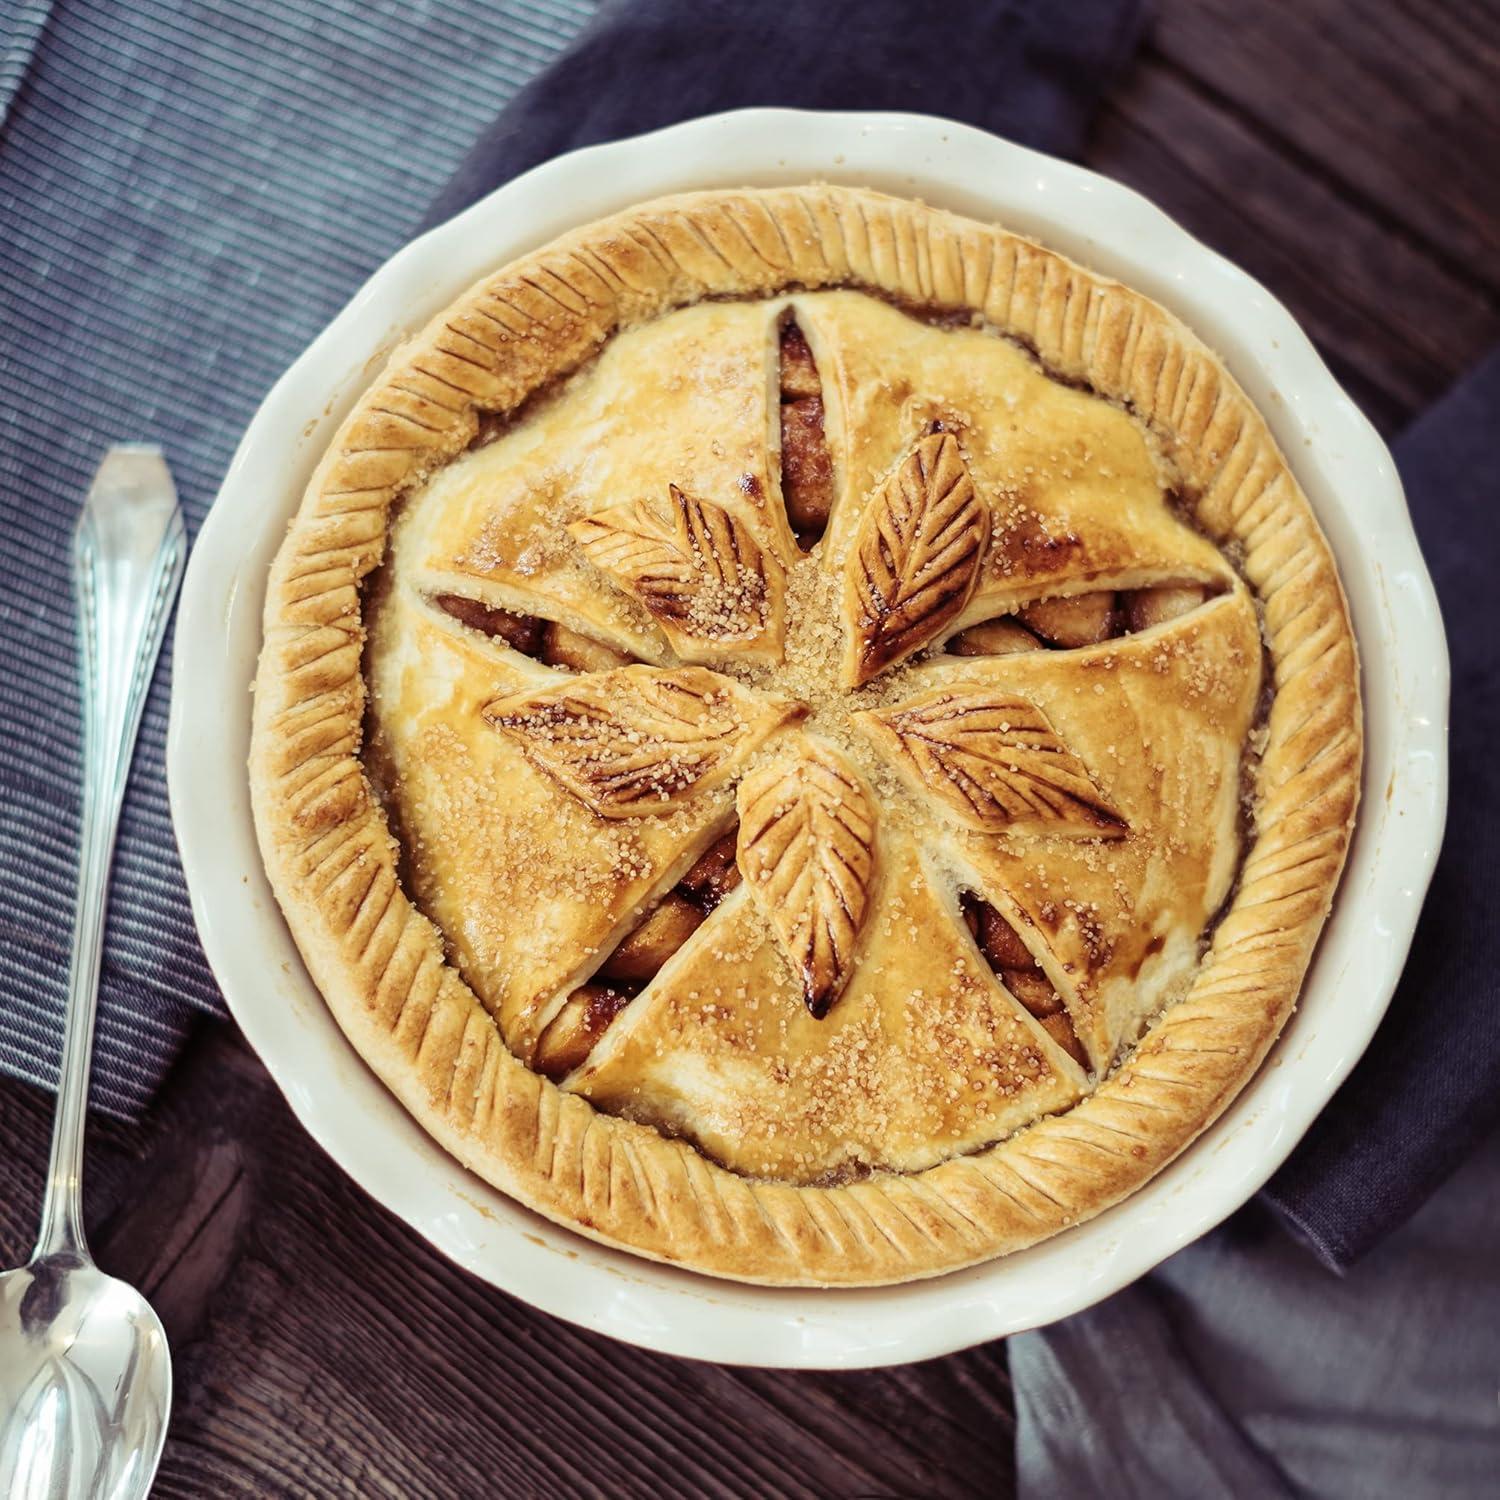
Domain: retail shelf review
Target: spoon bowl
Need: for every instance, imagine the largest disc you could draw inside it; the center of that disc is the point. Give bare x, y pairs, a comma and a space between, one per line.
85, 1383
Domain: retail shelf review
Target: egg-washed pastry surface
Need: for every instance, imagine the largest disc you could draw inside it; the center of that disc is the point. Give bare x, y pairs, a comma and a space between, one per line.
813, 750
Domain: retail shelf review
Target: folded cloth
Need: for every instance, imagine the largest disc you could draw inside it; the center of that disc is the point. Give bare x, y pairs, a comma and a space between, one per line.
1029, 70
1428, 1088
1243, 1368
188, 194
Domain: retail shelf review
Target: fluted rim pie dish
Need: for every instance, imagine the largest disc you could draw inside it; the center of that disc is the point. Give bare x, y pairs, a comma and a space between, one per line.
565, 616
408, 1007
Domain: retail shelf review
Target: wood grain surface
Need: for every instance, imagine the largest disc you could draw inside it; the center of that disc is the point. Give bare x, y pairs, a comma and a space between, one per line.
1343, 153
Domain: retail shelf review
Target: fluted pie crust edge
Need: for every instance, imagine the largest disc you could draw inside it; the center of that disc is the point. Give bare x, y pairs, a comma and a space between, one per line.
380, 963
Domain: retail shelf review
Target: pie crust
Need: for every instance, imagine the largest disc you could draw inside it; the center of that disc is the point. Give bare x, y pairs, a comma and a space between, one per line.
1015, 926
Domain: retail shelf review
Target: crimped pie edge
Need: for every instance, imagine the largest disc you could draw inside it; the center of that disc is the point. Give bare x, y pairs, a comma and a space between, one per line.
379, 962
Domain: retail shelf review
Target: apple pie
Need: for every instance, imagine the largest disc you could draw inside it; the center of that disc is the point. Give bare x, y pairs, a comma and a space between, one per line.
805, 736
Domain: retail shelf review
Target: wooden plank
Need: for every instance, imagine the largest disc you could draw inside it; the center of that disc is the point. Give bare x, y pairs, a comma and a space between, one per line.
1396, 105
1395, 325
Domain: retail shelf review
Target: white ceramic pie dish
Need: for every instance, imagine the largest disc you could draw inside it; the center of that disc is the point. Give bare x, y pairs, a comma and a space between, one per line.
1344, 468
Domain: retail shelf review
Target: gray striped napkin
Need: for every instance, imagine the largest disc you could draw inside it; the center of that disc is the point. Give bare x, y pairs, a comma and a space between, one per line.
188, 192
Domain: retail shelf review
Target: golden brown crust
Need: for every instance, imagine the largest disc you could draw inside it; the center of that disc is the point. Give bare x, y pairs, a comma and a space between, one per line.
380, 962
808, 821
916, 559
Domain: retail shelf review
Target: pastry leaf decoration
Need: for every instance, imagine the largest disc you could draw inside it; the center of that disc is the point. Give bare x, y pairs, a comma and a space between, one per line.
916, 557
636, 740
996, 764
696, 567
807, 853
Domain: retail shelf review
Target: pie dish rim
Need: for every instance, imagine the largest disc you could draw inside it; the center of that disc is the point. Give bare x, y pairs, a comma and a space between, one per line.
859, 124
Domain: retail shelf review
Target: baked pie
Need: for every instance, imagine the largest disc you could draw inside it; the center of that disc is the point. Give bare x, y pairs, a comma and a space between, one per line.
806, 736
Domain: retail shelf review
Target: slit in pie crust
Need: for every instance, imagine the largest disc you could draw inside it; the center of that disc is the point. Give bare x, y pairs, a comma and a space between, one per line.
806, 736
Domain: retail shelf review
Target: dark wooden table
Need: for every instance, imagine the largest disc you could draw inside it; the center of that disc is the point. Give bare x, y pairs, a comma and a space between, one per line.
1344, 153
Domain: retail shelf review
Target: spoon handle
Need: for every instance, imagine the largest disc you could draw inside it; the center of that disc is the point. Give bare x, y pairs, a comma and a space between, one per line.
129, 548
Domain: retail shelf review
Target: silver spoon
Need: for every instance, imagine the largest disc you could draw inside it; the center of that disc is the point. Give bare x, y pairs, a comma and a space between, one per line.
85, 1377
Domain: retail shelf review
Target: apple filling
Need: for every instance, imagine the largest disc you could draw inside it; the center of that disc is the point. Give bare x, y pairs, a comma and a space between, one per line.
545, 641
1066, 623
586, 1014
1020, 973
806, 468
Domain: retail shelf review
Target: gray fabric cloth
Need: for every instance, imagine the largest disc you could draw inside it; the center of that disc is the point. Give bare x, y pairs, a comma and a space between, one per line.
18, 42
188, 192
1244, 1368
